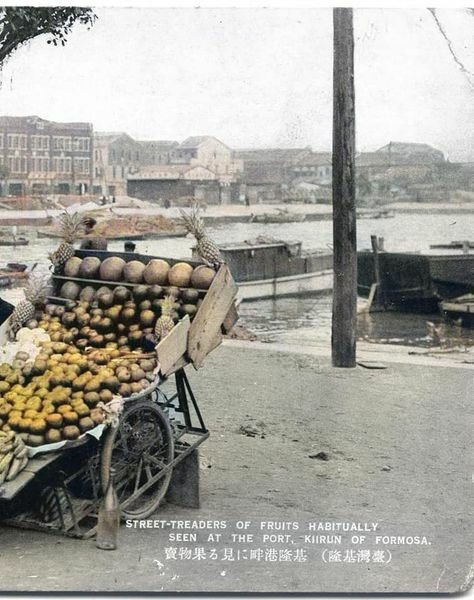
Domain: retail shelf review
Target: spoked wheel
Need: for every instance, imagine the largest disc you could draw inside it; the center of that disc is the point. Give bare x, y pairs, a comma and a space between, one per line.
140, 451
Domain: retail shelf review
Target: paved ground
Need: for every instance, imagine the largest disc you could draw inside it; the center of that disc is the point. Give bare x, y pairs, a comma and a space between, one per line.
398, 444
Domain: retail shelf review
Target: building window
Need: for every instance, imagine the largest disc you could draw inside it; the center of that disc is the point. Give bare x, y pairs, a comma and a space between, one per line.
62, 142
16, 140
137, 155
1, 141
112, 154
81, 165
114, 175
39, 164
17, 164
81, 144
62, 165
39, 142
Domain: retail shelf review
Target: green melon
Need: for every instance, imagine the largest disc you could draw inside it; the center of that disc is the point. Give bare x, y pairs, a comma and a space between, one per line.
72, 266
89, 268
133, 271
70, 290
156, 271
111, 269
87, 294
202, 277
180, 274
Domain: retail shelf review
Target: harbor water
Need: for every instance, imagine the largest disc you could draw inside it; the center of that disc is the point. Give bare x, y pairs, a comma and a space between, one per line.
269, 319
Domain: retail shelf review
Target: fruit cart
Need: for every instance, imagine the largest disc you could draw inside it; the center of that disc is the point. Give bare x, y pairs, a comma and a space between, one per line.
157, 431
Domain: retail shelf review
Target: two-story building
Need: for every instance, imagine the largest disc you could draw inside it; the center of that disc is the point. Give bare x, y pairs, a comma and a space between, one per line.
212, 154
157, 152
40, 156
116, 155
267, 172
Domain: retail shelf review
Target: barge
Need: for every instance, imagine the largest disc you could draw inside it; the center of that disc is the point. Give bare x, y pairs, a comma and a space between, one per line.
273, 269
412, 281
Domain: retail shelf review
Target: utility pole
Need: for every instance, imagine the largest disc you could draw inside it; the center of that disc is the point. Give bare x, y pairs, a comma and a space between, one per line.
344, 308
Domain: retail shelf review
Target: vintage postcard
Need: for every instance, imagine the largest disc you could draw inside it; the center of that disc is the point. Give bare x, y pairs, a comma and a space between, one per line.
236, 299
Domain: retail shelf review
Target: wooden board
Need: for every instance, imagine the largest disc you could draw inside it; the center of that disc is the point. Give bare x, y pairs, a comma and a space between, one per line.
174, 345
210, 316
179, 364
231, 318
9, 489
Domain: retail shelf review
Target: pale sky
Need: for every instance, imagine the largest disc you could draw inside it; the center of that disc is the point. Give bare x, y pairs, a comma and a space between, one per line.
252, 77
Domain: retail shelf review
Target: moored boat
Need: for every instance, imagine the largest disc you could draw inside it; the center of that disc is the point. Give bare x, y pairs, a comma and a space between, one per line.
459, 309
14, 241
153, 235
265, 268
281, 216
412, 281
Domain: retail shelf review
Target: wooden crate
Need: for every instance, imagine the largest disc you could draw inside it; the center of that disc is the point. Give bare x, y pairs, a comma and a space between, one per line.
192, 342
187, 342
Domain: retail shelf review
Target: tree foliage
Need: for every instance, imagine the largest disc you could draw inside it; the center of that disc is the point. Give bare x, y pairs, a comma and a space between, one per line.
20, 24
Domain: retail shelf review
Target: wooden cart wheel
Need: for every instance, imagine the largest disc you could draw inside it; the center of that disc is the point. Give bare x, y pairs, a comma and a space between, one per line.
139, 449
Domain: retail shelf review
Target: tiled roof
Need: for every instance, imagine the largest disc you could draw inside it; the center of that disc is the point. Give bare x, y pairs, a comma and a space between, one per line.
158, 145
269, 155
259, 174
316, 159
19, 121
197, 140
409, 148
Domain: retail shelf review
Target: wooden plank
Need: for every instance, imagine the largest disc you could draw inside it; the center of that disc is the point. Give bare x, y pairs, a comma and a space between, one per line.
210, 316
174, 345
344, 311
231, 318
9, 489
217, 341
179, 364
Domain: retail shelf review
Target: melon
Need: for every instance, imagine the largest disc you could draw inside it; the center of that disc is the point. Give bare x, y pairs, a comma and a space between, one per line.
102, 290
202, 277
133, 271
87, 294
89, 268
156, 271
72, 266
70, 290
111, 269
180, 274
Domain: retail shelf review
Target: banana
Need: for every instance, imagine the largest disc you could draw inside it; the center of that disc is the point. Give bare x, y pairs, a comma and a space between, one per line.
6, 448
3, 476
5, 461
15, 467
21, 452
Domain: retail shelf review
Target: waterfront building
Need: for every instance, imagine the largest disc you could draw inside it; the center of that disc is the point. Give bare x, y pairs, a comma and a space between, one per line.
157, 152
116, 155
38, 156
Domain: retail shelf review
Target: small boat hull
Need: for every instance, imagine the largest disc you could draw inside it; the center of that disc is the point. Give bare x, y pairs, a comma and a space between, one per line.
306, 284
14, 243
131, 237
278, 218
416, 282
459, 310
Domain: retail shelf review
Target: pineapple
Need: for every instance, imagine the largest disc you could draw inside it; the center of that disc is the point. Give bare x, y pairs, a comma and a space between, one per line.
35, 295
165, 323
206, 248
71, 225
